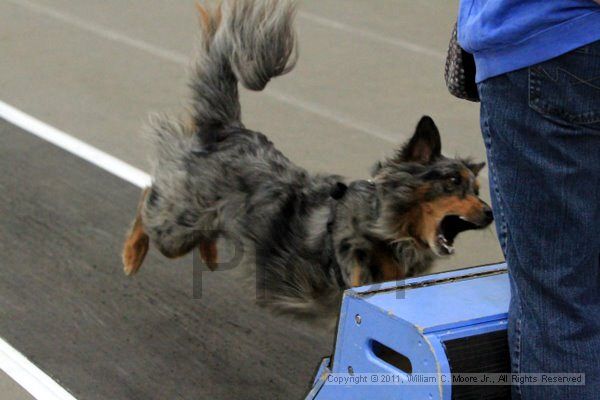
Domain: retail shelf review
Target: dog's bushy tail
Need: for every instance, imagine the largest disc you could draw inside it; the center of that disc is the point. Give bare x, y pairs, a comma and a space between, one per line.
246, 41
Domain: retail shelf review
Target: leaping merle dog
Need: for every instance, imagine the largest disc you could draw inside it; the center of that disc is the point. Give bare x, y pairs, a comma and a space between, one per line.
312, 236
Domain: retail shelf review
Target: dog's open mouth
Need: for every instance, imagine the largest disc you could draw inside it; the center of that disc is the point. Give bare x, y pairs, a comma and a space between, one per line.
448, 229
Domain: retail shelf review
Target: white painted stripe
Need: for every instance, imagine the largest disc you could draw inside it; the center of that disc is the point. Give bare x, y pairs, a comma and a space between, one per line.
178, 58
30, 377
75, 146
373, 36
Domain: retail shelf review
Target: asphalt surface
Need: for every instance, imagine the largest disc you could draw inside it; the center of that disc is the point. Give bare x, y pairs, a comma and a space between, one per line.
367, 72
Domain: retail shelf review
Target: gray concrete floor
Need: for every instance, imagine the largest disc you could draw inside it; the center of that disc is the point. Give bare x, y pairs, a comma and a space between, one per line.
367, 72
10, 390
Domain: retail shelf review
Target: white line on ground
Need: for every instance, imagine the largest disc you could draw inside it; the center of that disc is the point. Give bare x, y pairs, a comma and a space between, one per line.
175, 57
373, 36
74, 146
103, 32
30, 377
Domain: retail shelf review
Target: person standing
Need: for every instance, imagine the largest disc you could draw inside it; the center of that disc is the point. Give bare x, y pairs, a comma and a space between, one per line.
538, 78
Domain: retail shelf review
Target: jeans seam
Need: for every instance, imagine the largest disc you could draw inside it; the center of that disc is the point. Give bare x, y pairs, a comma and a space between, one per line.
503, 226
503, 234
517, 364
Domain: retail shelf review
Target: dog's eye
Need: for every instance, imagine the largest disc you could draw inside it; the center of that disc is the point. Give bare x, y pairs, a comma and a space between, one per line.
455, 179
452, 182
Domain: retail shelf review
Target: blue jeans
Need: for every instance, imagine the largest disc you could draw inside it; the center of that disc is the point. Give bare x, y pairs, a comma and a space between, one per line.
541, 127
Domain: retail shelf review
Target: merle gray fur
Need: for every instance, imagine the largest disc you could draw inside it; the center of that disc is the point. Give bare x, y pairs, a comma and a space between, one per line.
214, 177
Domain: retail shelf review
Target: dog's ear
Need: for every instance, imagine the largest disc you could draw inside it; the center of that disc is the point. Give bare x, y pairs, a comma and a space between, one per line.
476, 167
425, 146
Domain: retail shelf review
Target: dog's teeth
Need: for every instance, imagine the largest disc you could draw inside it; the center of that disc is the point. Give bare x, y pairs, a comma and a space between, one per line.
463, 218
448, 248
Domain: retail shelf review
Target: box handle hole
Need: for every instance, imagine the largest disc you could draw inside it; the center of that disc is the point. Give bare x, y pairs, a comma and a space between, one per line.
391, 357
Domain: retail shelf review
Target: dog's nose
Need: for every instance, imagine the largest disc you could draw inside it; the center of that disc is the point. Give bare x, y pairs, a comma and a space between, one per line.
489, 214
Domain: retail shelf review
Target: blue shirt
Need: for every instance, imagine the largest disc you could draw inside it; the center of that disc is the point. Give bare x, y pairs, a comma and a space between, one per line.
506, 35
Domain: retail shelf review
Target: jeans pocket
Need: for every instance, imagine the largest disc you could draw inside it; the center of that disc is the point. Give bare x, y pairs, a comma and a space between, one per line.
567, 88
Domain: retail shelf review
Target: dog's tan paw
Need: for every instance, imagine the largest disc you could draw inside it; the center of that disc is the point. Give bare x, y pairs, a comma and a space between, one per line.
137, 243
135, 247
134, 251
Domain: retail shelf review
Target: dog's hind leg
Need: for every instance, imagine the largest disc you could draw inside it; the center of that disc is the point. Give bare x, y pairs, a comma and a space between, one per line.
137, 243
209, 253
170, 239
